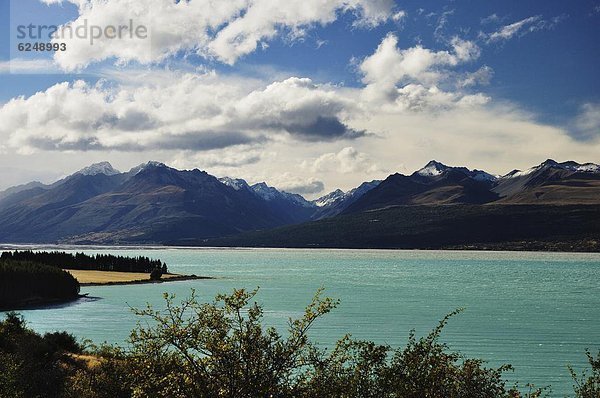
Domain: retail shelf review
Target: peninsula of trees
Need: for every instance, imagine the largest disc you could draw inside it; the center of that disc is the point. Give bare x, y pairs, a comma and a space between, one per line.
82, 261
24, 284
29, 278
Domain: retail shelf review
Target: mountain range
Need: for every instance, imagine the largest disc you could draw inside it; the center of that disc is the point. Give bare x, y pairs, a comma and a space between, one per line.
154, 203
437, 184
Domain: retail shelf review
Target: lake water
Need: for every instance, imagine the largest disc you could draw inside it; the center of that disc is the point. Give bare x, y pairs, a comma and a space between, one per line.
536, 311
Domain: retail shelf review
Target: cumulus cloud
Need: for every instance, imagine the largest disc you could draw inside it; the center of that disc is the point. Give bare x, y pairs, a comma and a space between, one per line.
417, 103
410, 77
294, 184
223, 30
300, 107
372, 13
347, 160
185, 111
204, 111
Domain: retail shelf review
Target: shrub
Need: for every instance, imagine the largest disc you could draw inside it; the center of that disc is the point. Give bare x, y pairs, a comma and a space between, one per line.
62, 341
156, 274
30, 365
588, 386
221, 349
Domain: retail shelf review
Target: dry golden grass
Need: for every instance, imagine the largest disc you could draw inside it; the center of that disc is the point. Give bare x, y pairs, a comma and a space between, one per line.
88, 361
100, 277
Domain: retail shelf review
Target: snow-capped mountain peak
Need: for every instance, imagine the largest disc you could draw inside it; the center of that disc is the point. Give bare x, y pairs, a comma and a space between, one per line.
552, 164
433, 168
99, 168
235, 183
480, 175
270, 193
330, 198
143, 166
264, 191
362, 188
520, 173
549, 163
582, 168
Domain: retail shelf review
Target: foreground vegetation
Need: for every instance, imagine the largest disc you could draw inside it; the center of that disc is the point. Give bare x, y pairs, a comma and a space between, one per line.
82, 261
24, 283
221, 349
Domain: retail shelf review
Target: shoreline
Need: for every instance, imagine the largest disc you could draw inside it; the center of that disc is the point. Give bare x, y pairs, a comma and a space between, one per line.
173, 278
34, 303
512, 246
458, 248
103, 278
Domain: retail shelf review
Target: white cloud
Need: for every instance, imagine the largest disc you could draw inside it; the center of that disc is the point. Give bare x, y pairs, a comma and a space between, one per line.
210, 111
586, 124
481, 76
298, 106
508, 31
442, 21
492, 18
399, 16
265, 130
347, 160
494, 137
464, 51
21, 65
522, 27
410, 77
222, 159
292, 183
223, 30
371, 13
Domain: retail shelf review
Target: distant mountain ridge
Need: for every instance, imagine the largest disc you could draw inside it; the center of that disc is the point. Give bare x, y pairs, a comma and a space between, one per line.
151, 203
437, 184
291, 207
337, 201
154, 203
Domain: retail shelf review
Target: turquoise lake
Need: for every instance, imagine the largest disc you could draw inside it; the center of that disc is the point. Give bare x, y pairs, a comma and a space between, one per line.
536, 311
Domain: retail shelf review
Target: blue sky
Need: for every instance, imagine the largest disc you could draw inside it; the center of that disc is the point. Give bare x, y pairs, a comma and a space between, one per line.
550, 72
532, 65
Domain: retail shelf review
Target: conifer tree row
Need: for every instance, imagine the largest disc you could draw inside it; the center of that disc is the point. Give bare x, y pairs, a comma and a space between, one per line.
82, 261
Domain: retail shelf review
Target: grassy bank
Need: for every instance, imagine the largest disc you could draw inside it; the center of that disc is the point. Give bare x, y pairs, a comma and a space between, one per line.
101, 278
